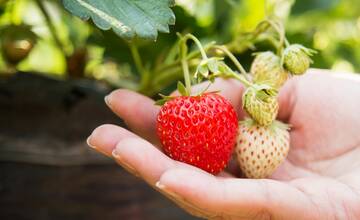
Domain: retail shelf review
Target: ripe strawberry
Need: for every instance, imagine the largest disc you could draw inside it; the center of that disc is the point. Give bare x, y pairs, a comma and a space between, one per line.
260, 102
198, 130
297, 58
260, 150
266, 68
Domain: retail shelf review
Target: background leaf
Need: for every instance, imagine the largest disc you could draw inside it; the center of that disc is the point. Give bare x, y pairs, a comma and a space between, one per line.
128, 18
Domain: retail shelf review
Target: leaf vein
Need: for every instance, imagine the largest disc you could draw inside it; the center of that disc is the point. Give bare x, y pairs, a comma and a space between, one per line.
113, 21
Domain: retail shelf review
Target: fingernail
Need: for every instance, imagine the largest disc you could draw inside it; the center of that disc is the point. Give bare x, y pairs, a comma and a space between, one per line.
124, 164
166, 190
107, 100
159, 185
88, 143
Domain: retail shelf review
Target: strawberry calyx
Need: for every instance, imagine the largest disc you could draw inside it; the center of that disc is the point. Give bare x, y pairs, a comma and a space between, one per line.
273, 127
164, 98
299, 47
260, 102
208, 68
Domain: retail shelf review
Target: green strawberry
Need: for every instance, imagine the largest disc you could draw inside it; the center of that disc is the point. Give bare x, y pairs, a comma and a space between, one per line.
266, 68
296, 59
260, 102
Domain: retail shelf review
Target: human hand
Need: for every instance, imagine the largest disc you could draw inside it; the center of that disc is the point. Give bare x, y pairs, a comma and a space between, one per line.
320, 178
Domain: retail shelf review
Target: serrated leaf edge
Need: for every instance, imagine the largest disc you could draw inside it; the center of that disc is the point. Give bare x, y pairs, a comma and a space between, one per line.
113, 21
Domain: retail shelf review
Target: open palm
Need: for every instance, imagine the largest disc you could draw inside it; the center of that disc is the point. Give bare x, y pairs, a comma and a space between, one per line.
319, 180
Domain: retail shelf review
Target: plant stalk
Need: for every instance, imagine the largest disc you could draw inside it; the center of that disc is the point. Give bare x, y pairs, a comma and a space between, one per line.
137, 59
241, 78
51, 26
190, 56
185, 66
198, 44
232, 58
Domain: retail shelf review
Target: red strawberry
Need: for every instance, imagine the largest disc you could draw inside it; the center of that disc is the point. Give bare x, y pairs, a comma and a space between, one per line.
198, 130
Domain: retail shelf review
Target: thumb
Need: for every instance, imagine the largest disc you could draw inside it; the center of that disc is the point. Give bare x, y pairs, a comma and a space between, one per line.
287, 99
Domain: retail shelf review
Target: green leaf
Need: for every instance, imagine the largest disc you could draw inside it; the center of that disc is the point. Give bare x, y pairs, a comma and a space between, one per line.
164, 99
212, 78
199, 78
160, 102
128, 18
213, 65
202, 70
181, 88
307, 5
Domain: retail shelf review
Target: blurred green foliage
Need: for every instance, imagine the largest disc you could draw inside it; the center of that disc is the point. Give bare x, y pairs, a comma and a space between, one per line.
72, 48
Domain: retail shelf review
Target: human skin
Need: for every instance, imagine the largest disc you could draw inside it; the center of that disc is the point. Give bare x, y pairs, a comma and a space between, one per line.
320, 179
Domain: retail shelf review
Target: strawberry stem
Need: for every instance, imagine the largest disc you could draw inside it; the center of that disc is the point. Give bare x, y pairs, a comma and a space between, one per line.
137, 59
241, 78
232, 58
279, 28
283, 34
183, 54
198, 44
191, 56
184, 64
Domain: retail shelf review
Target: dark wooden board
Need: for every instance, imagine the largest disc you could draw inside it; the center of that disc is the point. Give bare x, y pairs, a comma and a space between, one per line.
47, 121
79, 192
46, 169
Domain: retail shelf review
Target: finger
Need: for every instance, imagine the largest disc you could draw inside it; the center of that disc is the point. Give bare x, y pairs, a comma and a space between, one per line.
191, 209
289, 92
139, 112
132, 151
105, 137
242, 198
146, 159
287, 99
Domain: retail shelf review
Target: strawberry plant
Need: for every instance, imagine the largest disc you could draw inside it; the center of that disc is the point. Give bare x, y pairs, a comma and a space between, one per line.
201, 129
262, 142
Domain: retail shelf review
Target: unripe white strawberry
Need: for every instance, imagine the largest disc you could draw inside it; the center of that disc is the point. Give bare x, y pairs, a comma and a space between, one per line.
296, 59
260, 102
260, 150
266, 68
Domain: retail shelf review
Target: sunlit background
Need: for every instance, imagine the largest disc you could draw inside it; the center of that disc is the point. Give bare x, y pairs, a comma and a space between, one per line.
55, 70
67, 47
